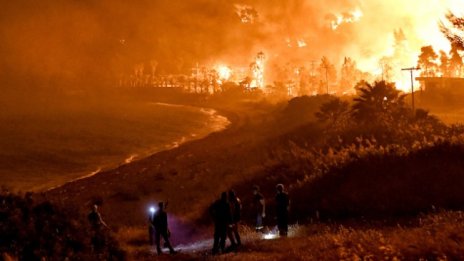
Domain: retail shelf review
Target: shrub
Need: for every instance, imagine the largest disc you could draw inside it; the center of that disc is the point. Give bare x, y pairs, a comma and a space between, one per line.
35, 230
387, 184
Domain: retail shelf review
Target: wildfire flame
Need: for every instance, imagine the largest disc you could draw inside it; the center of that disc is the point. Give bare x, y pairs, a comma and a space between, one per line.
224, 72
246, 13
349, 17
301, 43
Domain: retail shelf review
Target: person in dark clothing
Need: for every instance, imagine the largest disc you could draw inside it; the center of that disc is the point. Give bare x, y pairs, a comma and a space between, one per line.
95, 219
96, 224
282, 208
235, 211
259, 206
220, 211
160, 225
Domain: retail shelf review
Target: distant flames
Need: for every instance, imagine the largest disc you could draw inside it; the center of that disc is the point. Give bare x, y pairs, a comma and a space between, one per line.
348, 17
224, 72
381, 38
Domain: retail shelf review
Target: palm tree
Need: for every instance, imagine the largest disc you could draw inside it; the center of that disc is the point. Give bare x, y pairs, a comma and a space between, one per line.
332, 111
378, 103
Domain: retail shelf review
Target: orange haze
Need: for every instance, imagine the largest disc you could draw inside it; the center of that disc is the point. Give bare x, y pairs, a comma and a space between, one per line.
95, 41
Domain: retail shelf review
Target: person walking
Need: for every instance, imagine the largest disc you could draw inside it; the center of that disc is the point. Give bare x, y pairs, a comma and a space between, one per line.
160, 225
282, 208
220, 211
259, 206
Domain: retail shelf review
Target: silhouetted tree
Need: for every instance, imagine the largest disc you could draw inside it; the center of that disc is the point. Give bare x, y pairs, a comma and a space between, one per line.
444, 64
327, 72
349, 74
360, 85
427, 61
335, 112
455, 62
454, 31
378, 103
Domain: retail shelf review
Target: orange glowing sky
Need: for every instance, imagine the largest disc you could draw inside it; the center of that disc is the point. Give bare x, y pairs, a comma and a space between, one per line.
101, 39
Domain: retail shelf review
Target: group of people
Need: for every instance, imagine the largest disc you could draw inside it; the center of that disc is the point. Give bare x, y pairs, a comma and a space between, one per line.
226, 213
282, 202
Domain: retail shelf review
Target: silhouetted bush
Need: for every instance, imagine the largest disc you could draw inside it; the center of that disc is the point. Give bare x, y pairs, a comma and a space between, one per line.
363, 168
387, 184
35, 230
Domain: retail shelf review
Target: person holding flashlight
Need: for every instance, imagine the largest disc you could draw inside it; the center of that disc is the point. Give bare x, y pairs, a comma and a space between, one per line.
151, 228
160, 225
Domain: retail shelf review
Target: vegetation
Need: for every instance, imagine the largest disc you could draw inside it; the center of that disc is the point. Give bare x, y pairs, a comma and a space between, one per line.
345, 161
438, 236
376, 159
41, 230
453, 30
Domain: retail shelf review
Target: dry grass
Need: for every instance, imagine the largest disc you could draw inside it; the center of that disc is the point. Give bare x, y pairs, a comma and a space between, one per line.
438, 237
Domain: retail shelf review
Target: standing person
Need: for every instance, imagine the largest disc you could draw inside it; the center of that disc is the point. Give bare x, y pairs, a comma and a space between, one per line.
97, 224
235, 210
95, 218
282, 208
259, 206
160, 224
220, 211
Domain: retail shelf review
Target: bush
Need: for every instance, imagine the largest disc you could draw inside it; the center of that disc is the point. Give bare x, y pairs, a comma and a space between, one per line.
35, 230
387, 184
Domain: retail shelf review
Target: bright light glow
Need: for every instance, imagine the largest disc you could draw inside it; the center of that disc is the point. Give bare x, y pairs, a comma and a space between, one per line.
257, 71
152, 210
301, 43
224, 72
270, 236
350, 17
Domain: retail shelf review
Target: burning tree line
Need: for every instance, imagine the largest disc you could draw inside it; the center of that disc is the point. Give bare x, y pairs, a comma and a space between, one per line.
301, 78
444, 64
441, 64
288, 79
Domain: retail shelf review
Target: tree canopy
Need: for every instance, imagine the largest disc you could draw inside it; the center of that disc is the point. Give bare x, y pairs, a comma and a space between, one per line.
377, 102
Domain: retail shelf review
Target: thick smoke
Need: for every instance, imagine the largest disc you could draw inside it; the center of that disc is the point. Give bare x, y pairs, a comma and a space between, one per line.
54, 42
392, 30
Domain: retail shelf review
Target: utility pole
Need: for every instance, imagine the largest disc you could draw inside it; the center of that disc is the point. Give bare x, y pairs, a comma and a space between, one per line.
411, 71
